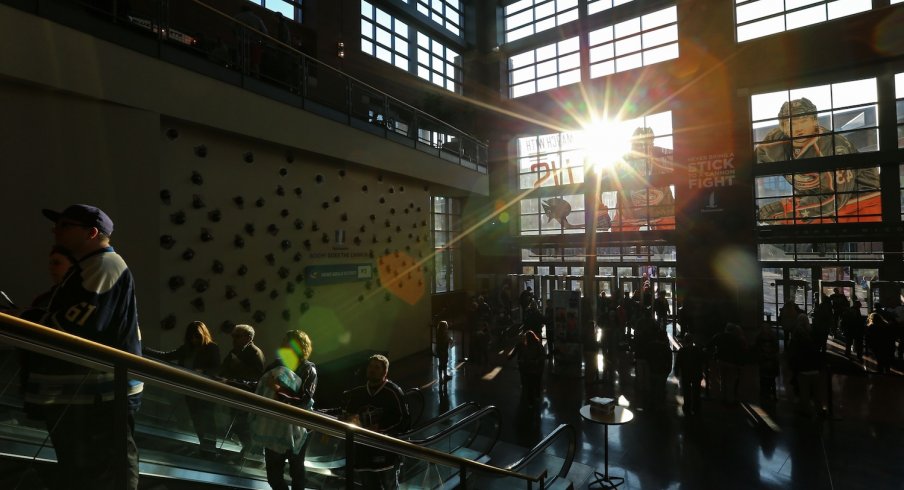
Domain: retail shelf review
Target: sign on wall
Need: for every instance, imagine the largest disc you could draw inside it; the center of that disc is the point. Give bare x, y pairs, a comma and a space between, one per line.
707, 171
319, 275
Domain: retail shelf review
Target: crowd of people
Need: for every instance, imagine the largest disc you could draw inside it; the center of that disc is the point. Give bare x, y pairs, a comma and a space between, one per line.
707, 354
93, 296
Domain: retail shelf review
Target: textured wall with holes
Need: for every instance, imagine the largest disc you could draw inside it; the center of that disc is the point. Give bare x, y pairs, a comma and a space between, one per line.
198, 251
240, 220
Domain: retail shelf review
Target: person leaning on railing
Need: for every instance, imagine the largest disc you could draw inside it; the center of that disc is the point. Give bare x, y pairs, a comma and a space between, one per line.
201, 354
242, 367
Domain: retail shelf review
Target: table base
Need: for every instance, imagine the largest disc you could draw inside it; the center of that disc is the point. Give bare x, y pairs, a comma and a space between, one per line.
604, 481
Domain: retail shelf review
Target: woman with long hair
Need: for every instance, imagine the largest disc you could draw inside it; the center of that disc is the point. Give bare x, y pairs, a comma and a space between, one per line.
201, 354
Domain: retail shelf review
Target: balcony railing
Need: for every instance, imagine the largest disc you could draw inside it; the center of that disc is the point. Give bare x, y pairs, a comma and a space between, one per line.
199, 37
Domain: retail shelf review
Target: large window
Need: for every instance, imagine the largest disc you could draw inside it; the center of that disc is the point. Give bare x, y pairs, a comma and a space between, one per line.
285, 8
899, 96
826, 121
387, 38
596, 6
545, 68
637, 253
446, 13
551, 160
552, 215
446, 231
527, 17
437, 63
553, 254
641, 41
820, 121
849, 195
384, 36
636, 191
821, 252
758, 18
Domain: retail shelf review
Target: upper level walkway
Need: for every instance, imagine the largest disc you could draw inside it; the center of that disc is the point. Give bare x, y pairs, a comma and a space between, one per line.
308, 104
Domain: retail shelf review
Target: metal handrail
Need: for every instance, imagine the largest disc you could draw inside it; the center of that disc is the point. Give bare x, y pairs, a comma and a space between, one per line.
545, 443
51, 342
440, 418
484, 412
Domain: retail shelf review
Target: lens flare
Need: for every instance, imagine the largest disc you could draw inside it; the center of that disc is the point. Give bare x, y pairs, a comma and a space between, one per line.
607, 142
402, 276
737, 269
288, 357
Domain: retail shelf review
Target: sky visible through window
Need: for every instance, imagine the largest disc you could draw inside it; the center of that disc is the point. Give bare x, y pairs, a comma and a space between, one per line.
758, 18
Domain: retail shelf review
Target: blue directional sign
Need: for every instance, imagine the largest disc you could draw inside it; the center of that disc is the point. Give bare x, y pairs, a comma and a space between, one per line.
318, 275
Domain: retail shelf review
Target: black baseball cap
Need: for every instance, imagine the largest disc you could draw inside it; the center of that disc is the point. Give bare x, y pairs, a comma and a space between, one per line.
83, 214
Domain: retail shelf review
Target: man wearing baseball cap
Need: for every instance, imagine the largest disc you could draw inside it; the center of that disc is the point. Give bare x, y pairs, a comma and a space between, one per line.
96, 301
819, 197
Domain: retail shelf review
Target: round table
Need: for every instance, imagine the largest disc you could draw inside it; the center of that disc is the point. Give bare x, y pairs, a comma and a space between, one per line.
620, 415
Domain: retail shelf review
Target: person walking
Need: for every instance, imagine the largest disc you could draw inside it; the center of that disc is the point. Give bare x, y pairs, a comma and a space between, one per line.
689, 364
443, 346
531, 361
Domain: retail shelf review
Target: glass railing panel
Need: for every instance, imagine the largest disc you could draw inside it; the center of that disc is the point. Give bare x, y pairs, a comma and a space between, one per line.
326, 87
471, 438
368, 105
400, 119
194, 27
34, 402
23, 432
469, 153
192, 438
281, 66
185, 428
553, 457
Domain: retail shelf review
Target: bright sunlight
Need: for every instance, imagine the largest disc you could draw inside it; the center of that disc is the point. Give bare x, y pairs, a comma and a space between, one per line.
607, 143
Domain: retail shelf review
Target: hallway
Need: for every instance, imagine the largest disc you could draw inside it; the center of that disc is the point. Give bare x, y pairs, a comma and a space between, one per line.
726, 446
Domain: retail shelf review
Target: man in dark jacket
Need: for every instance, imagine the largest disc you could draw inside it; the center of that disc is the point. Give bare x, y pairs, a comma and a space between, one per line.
378, 405
689, 365
242, 367
95, 301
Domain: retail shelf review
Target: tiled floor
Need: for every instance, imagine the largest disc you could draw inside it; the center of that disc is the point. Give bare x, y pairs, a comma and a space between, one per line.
861, 445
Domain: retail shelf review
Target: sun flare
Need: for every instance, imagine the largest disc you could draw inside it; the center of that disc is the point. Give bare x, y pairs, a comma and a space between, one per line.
606, 143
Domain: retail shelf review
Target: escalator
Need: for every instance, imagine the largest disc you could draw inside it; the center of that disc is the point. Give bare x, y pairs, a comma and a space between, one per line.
453, 449
169, 447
